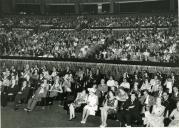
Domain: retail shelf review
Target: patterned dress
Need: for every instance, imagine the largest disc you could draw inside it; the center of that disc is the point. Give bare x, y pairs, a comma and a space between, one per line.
111, 103
155, 119
79, 100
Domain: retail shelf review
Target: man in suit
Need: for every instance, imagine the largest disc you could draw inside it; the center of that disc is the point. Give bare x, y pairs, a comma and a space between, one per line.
147, 101
175, 96
13, 88
22, 94
166, 101
159, 92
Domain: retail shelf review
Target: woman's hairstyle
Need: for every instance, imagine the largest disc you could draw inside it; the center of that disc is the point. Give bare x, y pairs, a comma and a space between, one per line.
166, 92
133, 93
109, 92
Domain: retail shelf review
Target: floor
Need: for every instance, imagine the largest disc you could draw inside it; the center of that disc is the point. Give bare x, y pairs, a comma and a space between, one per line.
50, 117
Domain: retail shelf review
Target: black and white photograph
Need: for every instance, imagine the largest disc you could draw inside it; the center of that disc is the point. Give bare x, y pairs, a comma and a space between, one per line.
89, 63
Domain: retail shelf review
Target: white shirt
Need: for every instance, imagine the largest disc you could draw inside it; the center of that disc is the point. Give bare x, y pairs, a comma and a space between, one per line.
110, 83
13, 83
125, 85
147, 100
169, 85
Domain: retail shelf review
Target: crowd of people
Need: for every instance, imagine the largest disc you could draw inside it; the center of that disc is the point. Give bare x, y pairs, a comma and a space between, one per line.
83, 41
90, 21
153, 45
50, 43
142, 45
134, 21
34, 21
141, 98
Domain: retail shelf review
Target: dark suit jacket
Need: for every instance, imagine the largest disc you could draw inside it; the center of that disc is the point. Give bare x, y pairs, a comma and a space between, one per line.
174, 100
136, 105
168, 106
156, 94
14, 90
25, 92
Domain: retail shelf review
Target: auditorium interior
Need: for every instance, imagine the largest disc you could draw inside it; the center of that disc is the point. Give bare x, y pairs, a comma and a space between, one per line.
89, 63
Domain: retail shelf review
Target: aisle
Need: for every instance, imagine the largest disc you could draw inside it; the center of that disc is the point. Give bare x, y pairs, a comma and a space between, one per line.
50, 117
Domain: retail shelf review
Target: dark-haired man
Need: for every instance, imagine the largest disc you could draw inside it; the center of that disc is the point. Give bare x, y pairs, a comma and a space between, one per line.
22, 94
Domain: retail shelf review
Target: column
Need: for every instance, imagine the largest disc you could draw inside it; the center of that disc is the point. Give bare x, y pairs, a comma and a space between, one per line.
178, 19
117, 8
1, 11
6, 6
77, 7
172, 5
14, 6
100, 8
81, 8
111, 7
42, 6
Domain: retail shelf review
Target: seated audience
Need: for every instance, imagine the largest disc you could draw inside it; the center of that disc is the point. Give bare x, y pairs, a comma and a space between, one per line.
41, 84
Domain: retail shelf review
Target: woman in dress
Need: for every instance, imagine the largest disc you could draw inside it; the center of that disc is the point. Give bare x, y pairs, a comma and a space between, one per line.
91, 107
110, 106
79, 102
175, 116
121, 95
155, 119
56, 87
102, 90
67, 83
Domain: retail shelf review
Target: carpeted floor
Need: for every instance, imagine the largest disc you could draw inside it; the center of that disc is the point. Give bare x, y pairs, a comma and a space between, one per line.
50, 117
